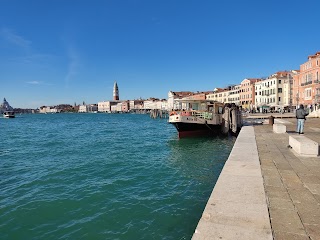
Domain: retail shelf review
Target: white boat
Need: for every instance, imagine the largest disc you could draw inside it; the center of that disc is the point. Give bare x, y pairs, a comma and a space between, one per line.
8, 114
205, 118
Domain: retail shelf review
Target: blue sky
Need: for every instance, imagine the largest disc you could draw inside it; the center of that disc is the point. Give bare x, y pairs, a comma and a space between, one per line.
58, 51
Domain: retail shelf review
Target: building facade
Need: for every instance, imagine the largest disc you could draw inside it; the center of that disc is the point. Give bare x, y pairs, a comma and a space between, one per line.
275, 92
104, 106
247, 93
218, 95
306, 85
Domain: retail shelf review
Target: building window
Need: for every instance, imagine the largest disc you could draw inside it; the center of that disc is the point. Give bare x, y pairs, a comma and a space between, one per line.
307, 94
279, 99
279, 81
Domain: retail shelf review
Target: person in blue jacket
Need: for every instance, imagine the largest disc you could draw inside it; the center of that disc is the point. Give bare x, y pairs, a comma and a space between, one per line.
301, 117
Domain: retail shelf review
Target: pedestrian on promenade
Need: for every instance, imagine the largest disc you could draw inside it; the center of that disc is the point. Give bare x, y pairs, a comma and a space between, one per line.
301, 117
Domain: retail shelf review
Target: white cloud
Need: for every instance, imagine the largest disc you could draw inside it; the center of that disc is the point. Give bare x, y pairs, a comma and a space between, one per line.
34, 82
73, 65
39, 83
14, 38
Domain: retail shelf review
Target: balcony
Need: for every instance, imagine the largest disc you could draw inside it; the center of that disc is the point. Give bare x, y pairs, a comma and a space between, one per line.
306, 83
316, 81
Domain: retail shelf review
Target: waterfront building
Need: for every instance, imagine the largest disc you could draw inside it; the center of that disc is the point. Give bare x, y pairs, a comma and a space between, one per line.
115, 92
48, 109
275, 92
125, 106
197, 96
217, 95
163, 104
59, 108
136, 104
174, 96
115, 107
154, 103
287, 88
104, 106
88, 108
82, 108
231, 94
306, 84
108, 106
247, 93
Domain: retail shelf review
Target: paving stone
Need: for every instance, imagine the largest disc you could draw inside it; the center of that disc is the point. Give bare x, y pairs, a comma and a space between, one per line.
286, 220
289, 236
291, 180
309, 212
313, 230
277, 192
302, 195
270, 170
272, 181
280, 203
310, 178
294, 206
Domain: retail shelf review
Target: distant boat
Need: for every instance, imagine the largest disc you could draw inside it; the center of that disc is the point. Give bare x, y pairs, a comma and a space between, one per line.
8, 114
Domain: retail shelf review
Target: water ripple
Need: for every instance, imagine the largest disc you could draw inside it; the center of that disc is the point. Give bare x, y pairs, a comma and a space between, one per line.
103, 176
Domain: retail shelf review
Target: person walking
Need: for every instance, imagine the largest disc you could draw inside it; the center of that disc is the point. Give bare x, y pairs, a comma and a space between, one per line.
301, 117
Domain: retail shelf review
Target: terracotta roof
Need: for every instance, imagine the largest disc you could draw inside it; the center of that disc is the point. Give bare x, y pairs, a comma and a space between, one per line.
282, 73
314, 55
183, 93
253, 80
217, 90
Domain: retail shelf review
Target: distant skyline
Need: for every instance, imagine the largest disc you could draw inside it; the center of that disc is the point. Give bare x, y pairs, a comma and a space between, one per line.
61, 52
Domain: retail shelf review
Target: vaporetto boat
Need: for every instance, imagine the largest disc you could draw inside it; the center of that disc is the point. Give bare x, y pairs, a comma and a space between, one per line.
205, 118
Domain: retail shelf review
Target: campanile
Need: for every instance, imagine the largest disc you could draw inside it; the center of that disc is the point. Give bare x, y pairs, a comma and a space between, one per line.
115, 91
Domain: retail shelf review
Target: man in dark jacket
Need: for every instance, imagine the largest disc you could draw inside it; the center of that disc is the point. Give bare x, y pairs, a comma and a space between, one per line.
301, 117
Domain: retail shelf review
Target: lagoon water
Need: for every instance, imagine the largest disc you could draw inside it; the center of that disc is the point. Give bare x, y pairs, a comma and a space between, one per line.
103, 176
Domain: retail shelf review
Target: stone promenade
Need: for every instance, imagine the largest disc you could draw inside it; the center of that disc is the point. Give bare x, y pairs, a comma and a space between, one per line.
291, 182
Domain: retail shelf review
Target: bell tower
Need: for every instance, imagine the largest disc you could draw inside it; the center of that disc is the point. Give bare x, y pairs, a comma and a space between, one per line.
115, 91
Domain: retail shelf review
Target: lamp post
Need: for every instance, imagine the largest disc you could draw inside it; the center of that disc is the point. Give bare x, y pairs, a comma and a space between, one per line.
297, 98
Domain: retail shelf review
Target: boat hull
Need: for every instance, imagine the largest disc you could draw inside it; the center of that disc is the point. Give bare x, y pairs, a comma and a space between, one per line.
8, 115
196, 130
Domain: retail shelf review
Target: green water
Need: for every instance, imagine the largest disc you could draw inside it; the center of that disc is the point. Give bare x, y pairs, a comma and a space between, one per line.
103, 176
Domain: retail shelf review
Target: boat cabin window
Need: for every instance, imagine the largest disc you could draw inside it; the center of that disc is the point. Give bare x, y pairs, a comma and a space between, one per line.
195, 106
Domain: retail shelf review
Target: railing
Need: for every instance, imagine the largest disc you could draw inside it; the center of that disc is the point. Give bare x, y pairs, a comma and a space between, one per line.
306, 83
204, 115
199, 114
